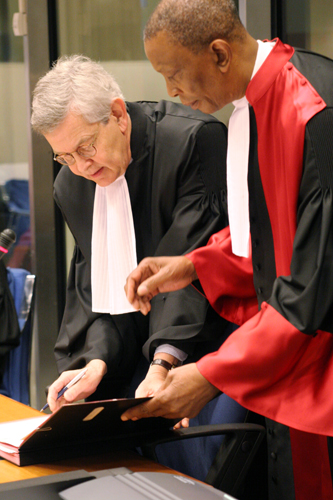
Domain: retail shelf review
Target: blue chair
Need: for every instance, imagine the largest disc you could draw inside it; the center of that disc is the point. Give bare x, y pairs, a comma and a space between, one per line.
194, 456
15, 383
218, 448
17, 199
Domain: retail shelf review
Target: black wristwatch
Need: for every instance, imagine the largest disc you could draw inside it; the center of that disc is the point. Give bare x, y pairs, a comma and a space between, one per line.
163, 363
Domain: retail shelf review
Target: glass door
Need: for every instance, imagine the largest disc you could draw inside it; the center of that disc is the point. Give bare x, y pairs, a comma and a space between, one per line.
306, 24
14, 170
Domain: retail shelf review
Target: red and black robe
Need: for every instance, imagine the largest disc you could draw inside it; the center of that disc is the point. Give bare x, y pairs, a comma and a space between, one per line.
279, 362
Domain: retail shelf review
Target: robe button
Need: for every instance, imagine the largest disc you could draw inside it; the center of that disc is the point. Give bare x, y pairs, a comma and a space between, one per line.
289, 66
303, 81
259, 291
246, 447
69, 354
255, 243
257, 267
273, 455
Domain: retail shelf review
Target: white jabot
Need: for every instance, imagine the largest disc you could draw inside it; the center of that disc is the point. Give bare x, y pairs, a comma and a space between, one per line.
113, 248
237, 170
237, 165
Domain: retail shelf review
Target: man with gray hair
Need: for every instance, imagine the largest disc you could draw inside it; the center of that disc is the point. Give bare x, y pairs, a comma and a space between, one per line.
279, 179
137, 179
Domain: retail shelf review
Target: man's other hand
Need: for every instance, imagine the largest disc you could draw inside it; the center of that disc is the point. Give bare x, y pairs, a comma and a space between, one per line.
157, 275
183, 394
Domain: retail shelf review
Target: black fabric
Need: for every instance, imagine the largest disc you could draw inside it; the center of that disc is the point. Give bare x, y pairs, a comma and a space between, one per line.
318, 69
263, 257
305, 297
177, 188
9, 327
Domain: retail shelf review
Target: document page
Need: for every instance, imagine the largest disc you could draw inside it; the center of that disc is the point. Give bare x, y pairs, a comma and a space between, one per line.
12, 434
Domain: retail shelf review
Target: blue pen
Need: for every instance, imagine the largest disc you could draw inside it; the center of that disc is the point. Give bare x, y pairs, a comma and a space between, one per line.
70, 384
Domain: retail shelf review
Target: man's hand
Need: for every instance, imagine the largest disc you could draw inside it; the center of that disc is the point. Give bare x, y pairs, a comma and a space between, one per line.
157, 275
156, 375
183, 394
152, 382
86, 386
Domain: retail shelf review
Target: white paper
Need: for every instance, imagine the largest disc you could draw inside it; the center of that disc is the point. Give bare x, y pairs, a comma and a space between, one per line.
12, 434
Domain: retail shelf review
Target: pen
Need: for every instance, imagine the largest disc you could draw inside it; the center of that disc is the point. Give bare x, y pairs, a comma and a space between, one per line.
67, 386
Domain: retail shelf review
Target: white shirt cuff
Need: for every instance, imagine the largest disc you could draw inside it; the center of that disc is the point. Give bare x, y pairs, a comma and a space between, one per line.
173, 351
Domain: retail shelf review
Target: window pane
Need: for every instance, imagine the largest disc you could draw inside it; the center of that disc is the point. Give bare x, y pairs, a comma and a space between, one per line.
104, 29
14, 197
309, 24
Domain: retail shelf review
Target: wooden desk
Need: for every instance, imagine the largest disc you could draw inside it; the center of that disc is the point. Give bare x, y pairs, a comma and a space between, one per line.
12, 410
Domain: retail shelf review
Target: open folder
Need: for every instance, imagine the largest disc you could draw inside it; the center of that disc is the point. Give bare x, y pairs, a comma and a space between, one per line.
77, 429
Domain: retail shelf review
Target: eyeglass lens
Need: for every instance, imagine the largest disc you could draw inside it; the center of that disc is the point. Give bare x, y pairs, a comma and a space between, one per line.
83, 151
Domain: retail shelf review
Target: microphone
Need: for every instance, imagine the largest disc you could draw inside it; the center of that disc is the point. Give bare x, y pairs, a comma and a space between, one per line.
7, 238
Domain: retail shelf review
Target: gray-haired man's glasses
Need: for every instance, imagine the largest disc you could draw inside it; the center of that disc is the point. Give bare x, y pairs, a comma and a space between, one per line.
87, 151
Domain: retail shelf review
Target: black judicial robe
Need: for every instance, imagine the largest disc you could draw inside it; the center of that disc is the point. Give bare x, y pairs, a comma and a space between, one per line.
177, 189
279, 362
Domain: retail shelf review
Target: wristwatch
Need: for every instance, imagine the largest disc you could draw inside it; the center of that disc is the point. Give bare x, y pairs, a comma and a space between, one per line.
163, 363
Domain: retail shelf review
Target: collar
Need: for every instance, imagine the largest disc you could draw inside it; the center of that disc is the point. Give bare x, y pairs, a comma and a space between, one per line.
268, 71
139, 133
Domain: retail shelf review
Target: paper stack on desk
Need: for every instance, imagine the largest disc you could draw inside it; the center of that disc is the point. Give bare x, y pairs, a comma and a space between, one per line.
12, 434
76, 429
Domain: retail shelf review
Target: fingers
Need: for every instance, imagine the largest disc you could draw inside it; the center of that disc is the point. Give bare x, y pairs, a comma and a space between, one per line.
151, 384
145, 410
147, 388
183, 394
143, 391
185, 422
141, 303
56, 387
158, 406
157, 274
96, 369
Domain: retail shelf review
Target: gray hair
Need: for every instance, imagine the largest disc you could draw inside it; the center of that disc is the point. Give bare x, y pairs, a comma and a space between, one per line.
195, 23
74, 84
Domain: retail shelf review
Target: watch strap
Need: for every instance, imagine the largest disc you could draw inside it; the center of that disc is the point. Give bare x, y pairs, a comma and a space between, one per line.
163, 363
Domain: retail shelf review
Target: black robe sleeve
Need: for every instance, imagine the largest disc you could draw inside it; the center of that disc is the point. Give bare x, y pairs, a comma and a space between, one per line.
184, 318
305, 298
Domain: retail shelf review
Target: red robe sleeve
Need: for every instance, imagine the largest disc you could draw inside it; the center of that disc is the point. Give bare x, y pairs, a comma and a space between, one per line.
267, 364
228, 284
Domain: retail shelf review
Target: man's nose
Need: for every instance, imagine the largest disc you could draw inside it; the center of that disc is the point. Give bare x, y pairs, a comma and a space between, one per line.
172, 90
82, 164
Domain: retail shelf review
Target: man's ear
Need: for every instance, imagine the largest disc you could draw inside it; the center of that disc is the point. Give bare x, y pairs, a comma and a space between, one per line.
221, 51
119, 113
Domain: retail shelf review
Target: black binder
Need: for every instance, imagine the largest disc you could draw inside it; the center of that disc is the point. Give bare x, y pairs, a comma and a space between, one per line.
86, 428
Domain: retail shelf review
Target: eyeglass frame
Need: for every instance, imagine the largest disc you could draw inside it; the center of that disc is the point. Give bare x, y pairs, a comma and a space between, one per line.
91, 145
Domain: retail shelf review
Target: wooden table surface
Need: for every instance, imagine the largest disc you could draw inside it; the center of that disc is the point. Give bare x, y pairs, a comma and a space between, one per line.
12, 410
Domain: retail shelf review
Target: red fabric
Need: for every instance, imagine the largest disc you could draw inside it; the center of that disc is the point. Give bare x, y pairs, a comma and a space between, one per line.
314, 466
233, 298
282, 111
268, 365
